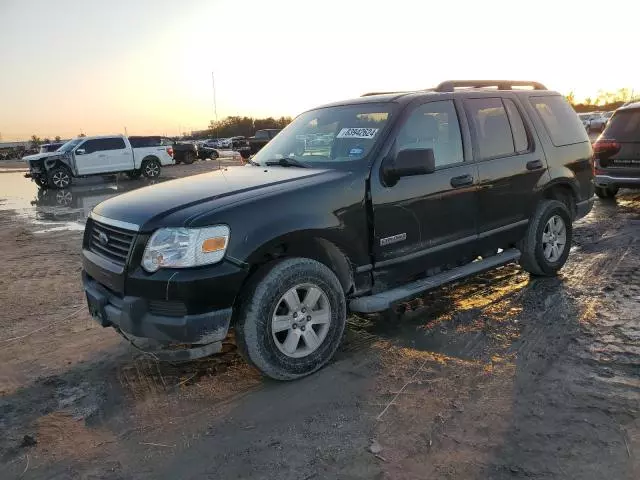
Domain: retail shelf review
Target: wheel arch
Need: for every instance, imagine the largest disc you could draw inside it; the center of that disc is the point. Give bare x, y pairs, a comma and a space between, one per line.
565, 191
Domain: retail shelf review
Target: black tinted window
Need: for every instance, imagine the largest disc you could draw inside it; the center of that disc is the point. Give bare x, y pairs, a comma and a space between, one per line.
89, 146
141, 142
492, 127
520, 139
624, 126
434, 125
560, 120
111, 144
261, 134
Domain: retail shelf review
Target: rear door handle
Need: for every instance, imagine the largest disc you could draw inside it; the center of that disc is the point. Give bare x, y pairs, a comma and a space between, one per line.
535, 165
461, 181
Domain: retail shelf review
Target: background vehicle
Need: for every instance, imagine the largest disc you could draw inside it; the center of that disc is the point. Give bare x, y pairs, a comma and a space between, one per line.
617, 152
261, 138
99, 155
396, 205
598, 122
241, 145
209, 149
50, 147
185, 152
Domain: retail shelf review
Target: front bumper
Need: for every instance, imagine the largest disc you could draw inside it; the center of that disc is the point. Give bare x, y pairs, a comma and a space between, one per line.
132, 316
625, 181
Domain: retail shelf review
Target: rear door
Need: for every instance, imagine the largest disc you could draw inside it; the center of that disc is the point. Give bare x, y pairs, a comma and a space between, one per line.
510, 166
425, 221
119, 153
620, 157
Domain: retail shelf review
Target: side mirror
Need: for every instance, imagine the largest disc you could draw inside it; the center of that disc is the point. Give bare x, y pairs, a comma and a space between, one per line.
419, 161
80, 151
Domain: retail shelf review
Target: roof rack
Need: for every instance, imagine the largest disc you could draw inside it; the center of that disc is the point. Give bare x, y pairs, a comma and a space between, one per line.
378, 93
451, 85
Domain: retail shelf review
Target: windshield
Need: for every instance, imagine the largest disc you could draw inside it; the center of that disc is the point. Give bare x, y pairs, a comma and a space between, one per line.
624, 126
67, 147
329, 135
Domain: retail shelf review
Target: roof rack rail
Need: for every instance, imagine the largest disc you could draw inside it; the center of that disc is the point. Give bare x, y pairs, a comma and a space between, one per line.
451, 85
378, 93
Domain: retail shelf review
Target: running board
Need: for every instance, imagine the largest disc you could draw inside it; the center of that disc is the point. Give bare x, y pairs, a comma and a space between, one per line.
384, 300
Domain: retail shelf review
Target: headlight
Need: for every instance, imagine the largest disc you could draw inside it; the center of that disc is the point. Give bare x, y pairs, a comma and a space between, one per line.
185, 247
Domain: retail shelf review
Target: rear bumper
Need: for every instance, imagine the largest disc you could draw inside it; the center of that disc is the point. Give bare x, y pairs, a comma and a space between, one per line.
584, 207
617, 180
131, 315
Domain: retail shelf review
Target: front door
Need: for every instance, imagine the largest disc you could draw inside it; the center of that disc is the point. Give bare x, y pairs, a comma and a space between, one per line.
511, 164
427, 221
90, 159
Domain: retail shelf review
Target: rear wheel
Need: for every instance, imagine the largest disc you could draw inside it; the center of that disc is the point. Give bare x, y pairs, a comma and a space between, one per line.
59, 178
606, 192
151, 168
546, 245
291, 318
214, 155
189, 158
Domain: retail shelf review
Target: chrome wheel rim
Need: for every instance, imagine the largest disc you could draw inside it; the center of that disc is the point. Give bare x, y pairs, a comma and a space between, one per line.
64, 198
152, 169
554, 238
301, 320
60, 179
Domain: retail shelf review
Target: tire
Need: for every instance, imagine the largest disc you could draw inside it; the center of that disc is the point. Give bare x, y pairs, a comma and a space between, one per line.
214, 155
542, 234
59, 178
264, 297
189, 158
134, 174
606, 192
151, 168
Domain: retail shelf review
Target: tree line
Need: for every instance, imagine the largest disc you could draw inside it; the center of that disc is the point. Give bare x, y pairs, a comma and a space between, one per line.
604, 100
236, 126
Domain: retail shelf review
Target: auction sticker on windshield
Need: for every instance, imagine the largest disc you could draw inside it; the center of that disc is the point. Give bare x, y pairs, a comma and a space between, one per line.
357, 133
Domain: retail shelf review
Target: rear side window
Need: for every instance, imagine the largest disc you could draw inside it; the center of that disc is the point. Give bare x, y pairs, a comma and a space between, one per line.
142, 142
111, 144
560, 120
520, 139
624, 126
492, 127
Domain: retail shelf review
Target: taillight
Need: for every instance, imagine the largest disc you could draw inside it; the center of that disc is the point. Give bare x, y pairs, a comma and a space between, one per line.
606, 146
170, 151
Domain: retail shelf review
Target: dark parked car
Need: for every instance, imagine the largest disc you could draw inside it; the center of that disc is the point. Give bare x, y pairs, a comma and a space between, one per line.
417, 189
185, 152
209, 149
50, 147
261, 138
618, 152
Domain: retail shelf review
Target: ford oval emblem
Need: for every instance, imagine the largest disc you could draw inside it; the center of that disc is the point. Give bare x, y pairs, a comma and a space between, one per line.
103, 238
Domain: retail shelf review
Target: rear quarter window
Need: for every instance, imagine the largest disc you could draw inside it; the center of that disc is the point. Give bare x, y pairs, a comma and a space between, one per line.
560, 120
624, 126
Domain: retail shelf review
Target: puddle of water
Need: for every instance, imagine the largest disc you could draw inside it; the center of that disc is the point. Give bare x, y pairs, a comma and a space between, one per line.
56, 210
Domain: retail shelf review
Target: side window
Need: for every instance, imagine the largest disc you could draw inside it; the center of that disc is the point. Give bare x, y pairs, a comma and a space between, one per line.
262, 135
560, 120
89, 146
434, 125
520, 139
112, 144
492, 127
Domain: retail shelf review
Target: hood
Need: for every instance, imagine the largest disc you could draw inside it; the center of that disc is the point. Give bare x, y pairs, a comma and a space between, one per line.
40, 156
149, 205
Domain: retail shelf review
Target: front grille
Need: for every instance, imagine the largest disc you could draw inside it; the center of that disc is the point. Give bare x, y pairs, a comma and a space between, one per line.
166, 308
111, 242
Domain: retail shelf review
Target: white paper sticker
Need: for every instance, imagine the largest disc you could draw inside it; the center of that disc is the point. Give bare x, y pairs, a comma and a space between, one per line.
357, 133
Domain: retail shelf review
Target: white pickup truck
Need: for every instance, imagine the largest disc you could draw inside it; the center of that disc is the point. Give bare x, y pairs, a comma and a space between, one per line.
85, 156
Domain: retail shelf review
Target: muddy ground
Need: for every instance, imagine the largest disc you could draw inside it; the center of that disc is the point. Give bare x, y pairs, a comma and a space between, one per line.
501, 376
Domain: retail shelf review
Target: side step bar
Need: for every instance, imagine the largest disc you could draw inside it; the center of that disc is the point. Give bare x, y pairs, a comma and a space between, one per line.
382, 301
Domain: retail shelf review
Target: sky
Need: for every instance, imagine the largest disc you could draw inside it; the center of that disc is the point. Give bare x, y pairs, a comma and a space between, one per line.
71, 66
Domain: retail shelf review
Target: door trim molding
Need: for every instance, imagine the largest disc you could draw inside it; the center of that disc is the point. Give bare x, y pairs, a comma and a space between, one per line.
455, 243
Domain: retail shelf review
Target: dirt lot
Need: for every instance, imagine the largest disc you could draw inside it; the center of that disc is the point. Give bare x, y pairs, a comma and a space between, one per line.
502, 376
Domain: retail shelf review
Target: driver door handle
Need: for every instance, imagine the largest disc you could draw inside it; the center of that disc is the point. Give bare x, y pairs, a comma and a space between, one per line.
461, 181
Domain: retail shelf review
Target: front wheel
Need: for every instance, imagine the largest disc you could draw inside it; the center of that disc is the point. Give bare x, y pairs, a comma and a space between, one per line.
59, 178
151, 168
545, 248
606, 192
291, 318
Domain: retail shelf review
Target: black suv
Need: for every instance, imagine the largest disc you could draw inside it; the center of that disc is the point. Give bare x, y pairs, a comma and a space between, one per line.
617, 152
413, 190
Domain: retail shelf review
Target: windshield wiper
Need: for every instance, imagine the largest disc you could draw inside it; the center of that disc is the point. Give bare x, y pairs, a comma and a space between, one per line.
286, 162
